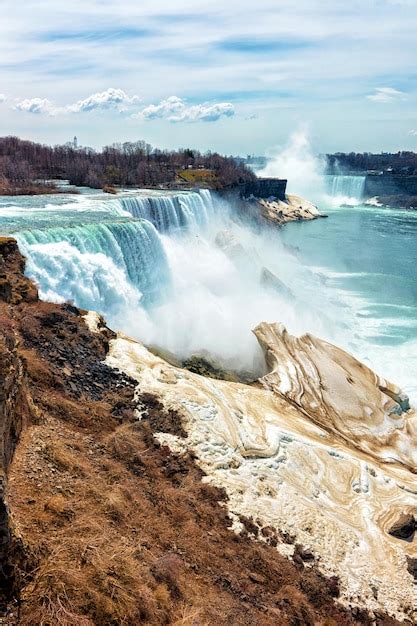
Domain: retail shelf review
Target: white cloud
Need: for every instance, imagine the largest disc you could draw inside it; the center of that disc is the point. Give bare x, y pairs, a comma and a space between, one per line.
413, 132
386, 94
3, 98
36, 106
109, 99
175, 109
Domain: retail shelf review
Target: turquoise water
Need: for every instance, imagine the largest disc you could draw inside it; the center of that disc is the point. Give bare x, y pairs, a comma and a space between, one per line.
153, 264
367, 256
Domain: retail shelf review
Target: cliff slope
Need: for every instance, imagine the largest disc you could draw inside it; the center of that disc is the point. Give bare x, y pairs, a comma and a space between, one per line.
127, 492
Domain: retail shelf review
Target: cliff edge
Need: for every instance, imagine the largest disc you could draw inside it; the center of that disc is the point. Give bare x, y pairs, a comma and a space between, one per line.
135, 492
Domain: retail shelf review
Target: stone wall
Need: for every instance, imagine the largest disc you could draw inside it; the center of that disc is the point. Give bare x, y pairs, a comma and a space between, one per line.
264, 188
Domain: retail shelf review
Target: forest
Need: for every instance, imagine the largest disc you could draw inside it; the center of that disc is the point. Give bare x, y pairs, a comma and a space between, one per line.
28, 167
401, 163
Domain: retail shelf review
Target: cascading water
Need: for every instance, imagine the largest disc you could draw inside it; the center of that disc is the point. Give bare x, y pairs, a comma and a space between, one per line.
178, 289
203, 281
172, 212
346, 187
104, 266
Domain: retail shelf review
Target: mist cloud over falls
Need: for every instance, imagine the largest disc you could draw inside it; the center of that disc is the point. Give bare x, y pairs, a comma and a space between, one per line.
297, 163
197, 286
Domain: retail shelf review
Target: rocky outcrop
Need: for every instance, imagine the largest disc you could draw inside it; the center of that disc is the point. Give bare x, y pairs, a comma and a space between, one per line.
119, 526
264, 188
14, 395
249, 261
271, 281
340, 395
14, 286
292, 208
321, 453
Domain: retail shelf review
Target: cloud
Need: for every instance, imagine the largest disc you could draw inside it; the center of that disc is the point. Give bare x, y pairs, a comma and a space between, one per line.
3, 97
104, 100
386, 94
175, 109
413, 132
36, 106
109, 99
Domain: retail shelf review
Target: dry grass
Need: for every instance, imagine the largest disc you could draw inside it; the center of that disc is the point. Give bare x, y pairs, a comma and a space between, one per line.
189, 616
116, 530
114, 505
125, 444
59, 506
90, 579
197, 176
65, 459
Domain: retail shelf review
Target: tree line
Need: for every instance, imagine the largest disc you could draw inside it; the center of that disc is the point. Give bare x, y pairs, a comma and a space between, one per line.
126, 164
403, 162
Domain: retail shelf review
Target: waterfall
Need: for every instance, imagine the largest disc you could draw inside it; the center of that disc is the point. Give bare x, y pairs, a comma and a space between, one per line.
346, 186
104, 266
172, 212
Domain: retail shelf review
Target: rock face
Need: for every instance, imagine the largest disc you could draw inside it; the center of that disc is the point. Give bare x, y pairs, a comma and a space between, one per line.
341, 395
249, 261
323, 452
264, 188
404, 527
14, 286
390, 185
14, 399
293, 208
14, 411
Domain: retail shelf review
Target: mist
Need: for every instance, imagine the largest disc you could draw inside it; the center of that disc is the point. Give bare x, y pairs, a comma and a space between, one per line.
297, 162
226, 279
216, 277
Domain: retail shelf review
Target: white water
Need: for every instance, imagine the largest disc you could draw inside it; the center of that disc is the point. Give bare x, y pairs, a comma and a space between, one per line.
112, 267
166, 281
177, 288
173, 212
345, 190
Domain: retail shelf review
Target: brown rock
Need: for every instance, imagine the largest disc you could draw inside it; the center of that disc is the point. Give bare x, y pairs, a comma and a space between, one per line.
404, 527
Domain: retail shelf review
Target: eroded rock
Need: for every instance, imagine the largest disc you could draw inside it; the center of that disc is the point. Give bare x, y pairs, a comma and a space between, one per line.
404, 527
319, 453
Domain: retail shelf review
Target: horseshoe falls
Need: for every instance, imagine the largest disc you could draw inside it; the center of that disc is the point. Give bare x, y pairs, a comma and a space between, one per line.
180, 272
345, 189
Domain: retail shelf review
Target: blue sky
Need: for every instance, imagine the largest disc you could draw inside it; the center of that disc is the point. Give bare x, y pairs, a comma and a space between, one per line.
237, 77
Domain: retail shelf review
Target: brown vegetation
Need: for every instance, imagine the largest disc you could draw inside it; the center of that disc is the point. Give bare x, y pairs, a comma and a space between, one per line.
403, 162
109, 527
127, 164
28, 189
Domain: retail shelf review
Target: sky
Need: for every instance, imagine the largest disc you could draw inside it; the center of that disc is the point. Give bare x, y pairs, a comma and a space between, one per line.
237, 77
